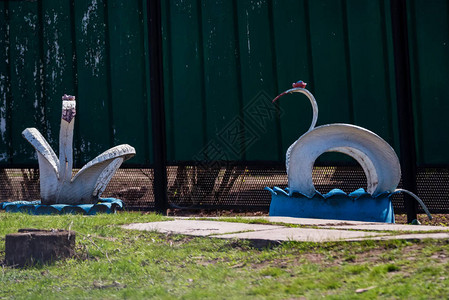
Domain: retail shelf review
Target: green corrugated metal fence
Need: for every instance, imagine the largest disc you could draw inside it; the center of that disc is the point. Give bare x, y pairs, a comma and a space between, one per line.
223, 62
220, 55
429, 48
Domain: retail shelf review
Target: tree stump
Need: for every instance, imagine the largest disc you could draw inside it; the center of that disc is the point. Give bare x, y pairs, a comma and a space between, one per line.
31, 246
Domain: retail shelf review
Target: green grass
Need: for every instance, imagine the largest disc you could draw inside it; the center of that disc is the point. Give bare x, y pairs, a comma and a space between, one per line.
115, 263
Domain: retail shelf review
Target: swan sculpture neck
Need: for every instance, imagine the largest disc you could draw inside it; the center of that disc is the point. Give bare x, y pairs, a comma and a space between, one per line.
299, 87
66, 137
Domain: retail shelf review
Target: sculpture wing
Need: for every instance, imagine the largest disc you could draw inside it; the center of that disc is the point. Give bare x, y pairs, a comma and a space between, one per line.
47, 157
106, 176
97, 173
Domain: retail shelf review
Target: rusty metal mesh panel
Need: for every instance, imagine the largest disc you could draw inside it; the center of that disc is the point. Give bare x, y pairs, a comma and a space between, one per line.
349, 179
228, 186
19, 184
433, 188
225, 186
134, 187
242, 187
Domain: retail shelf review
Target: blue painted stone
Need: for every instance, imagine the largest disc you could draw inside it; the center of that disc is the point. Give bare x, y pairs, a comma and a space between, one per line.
105, 205
337, 205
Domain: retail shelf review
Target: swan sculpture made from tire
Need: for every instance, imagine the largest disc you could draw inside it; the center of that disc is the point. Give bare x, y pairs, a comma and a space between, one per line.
377, 158
57, 186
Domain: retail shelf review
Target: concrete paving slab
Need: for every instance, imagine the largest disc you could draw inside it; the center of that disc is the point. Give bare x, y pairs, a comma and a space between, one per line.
311, 222
391, 227
263, 235
291, 220
357, 225
199, 227
300, 234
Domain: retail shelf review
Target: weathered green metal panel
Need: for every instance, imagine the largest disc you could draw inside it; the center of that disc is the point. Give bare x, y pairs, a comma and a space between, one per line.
369, 66
5, 85
93, 49
258, 79
222, 81
429, 45
147, 94
167, 62
184, 93
58, 69
167, 80
293, 57
331, 80
26, 76
93, 127
128, 69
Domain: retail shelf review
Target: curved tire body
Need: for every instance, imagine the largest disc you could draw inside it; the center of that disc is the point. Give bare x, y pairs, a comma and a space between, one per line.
378, 160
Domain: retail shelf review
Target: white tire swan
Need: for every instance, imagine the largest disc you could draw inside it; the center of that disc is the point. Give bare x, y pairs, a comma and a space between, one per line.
56, 183
377, 158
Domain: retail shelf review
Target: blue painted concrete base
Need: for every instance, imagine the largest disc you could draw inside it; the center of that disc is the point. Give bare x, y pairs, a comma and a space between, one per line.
337, 205
105, 205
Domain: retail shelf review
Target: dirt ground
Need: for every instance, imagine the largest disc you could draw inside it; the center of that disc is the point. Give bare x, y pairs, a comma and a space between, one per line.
437, 219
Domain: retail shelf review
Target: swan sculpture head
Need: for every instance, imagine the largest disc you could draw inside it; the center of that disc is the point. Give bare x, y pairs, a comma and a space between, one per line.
57, 186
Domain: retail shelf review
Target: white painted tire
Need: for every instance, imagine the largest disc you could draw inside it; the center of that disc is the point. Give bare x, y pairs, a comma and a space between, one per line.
377, 158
